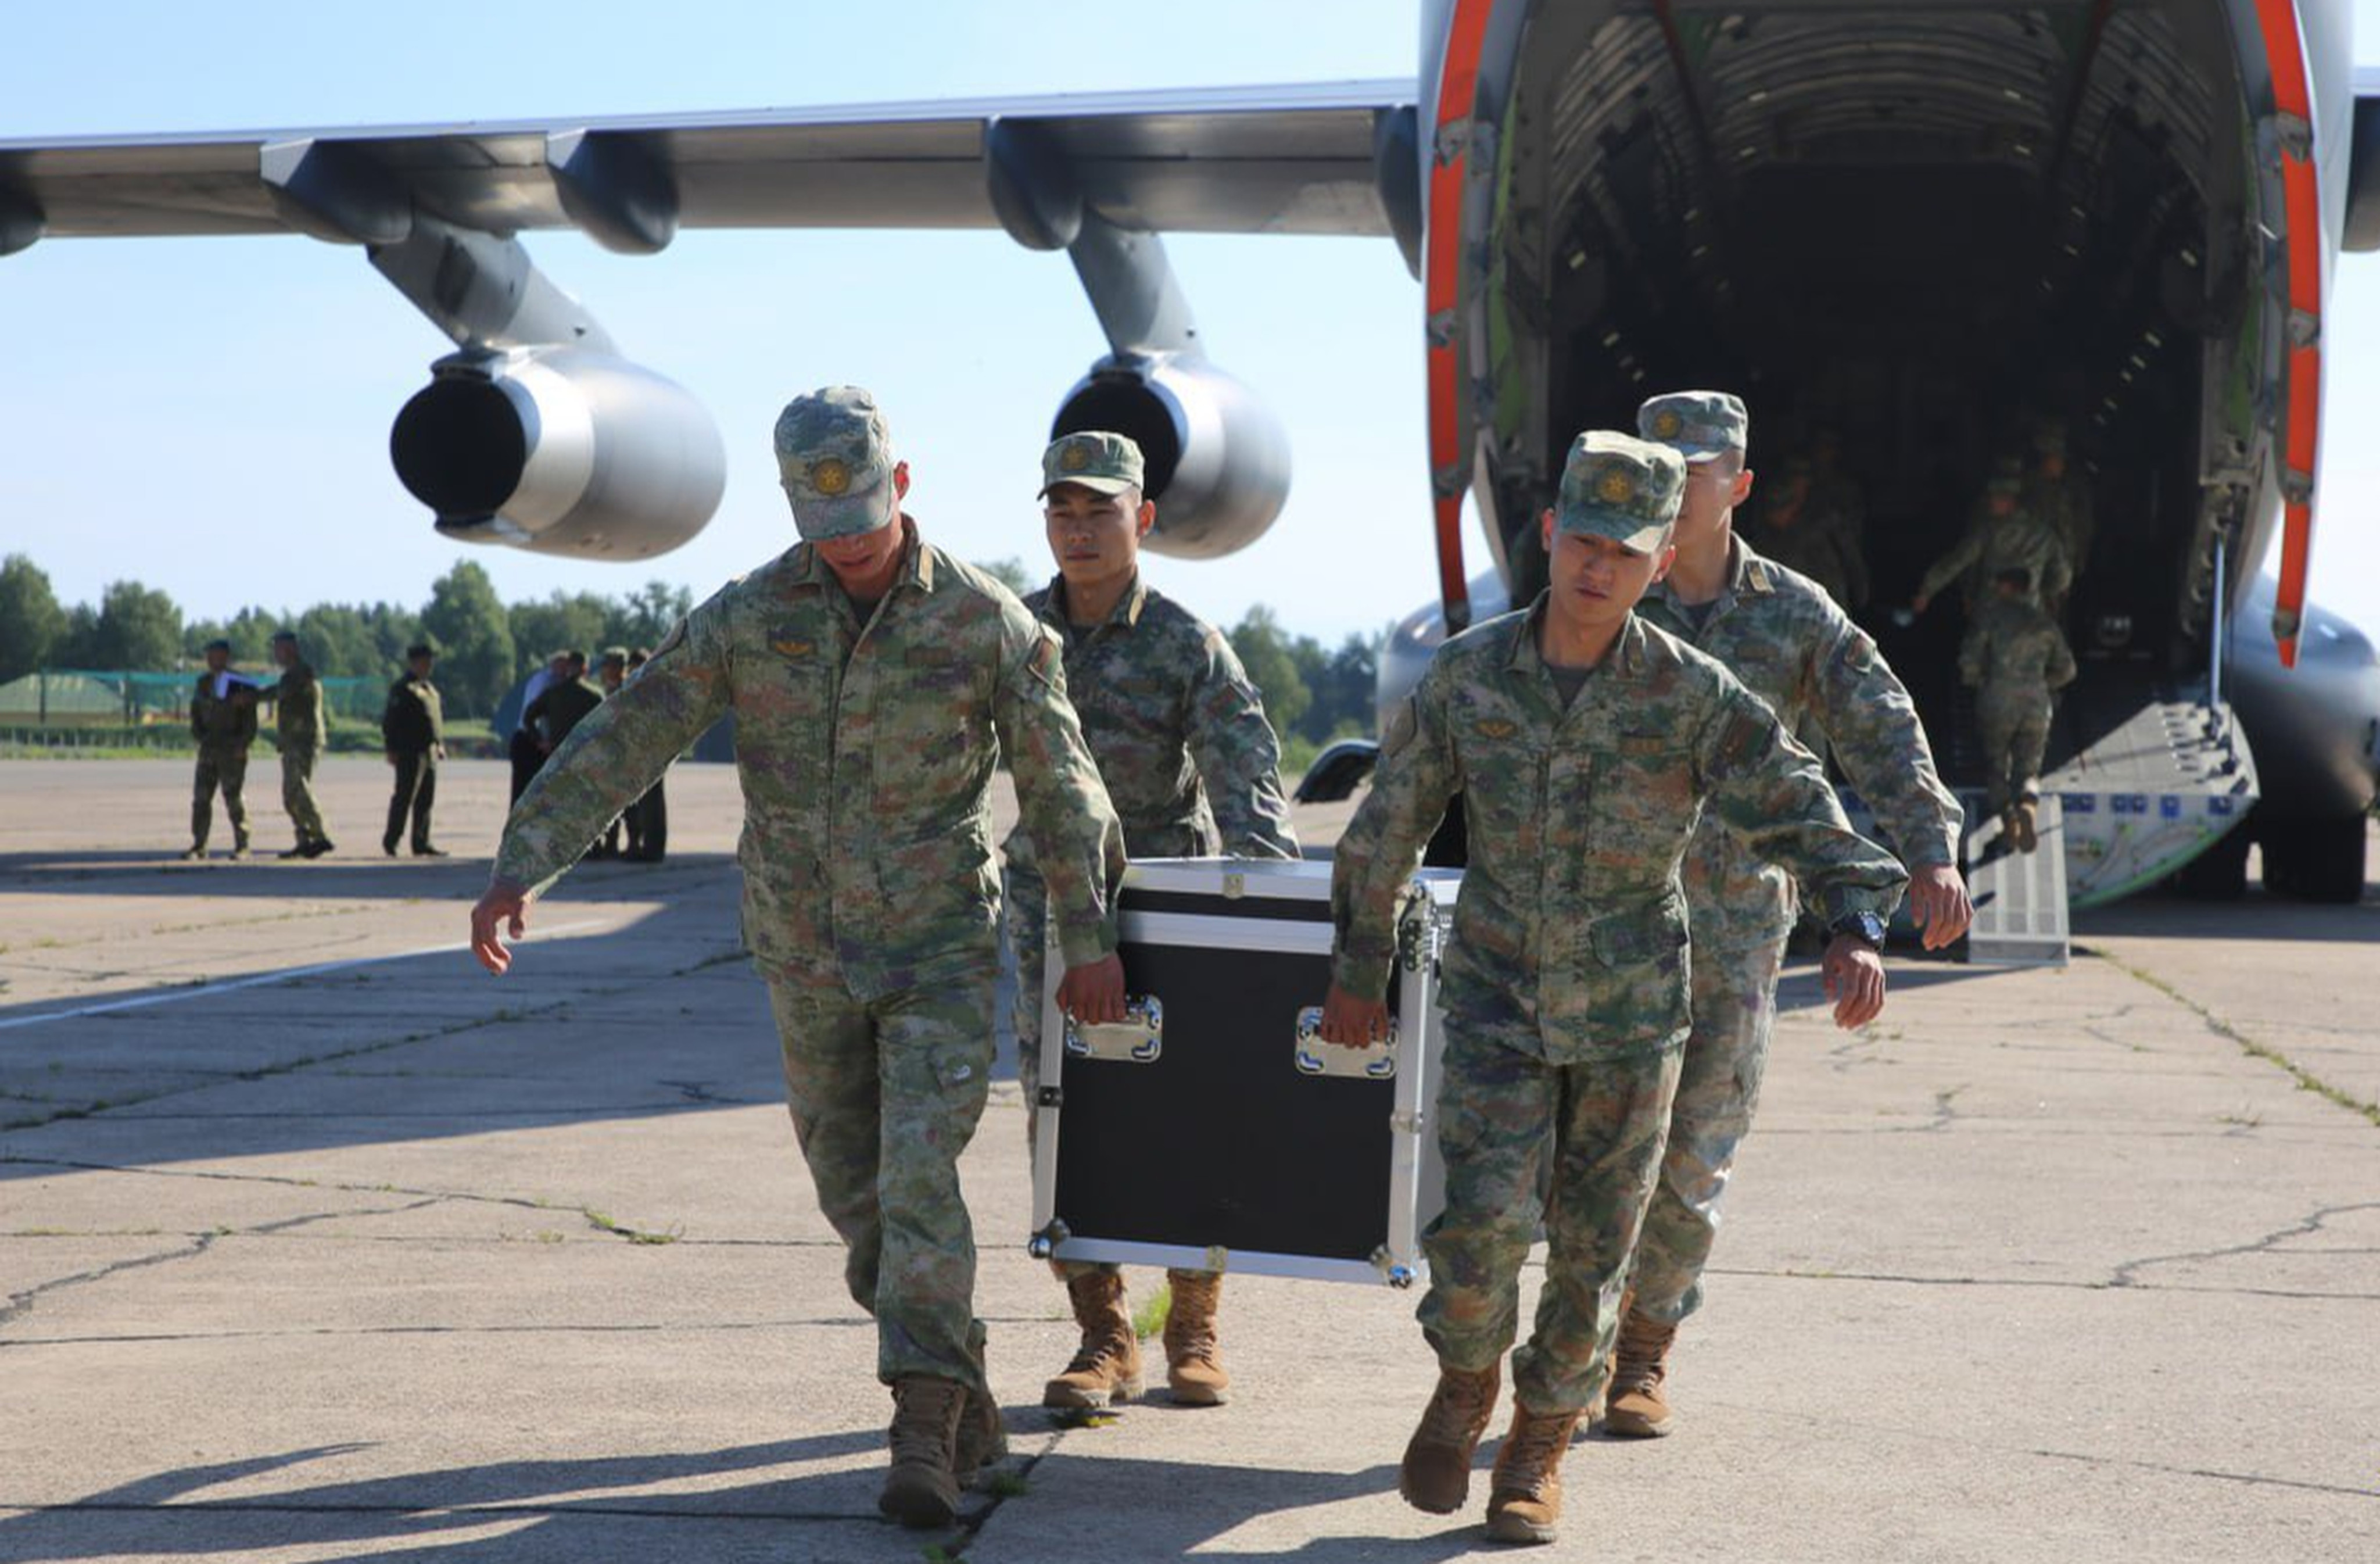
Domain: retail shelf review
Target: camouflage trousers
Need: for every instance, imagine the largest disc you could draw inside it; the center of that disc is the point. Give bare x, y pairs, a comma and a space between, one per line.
298, 792
1718, 1085
884, 1095
1024, 902
224, 767
1576, 1148
2015, 734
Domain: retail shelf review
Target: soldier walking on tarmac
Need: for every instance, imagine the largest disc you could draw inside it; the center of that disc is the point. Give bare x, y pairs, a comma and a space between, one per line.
299, 716
1792, 645
223, 719
877, 683
1586, 745
1193, 769
2014, 656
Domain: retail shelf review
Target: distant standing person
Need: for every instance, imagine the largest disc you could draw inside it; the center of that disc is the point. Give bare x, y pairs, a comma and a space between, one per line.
299, 716
2015, 655
223, 719
524, 748
649, 816
566, 702
413, 726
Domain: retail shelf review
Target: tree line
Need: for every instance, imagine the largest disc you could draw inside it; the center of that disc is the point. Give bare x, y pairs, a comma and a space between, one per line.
486, 646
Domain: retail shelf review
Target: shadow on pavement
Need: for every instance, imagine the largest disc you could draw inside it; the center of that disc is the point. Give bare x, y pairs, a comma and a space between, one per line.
359, 874
2256, 915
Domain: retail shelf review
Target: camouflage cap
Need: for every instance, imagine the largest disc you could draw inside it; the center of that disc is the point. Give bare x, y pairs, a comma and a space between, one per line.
834, 456
1622, 488
217, 644
420, 650
2008, 483
2008, 464
2050, 439
1099, 459
1702, 424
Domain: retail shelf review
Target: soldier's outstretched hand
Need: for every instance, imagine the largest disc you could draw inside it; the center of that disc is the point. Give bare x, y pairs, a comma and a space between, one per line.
1937, 901
1093, 994
502, 909
1351, 1022
1853, 974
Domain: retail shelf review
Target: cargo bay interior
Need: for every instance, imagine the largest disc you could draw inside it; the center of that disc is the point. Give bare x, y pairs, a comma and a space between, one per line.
1925, 228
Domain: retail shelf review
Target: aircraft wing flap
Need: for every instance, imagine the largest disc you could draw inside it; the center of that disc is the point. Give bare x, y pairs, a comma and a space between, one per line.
1254, 160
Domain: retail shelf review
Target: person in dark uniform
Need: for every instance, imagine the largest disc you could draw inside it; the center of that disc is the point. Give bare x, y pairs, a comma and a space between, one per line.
522, 749
563, 705
649, 816
413, 729
223, 719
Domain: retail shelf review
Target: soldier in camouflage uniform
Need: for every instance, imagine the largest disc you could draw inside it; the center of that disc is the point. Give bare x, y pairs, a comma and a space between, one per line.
2008, 536
299, 717
223, 719
1194, 768
1836, 496
1586, 745
1793, 647
877, 683
1808, 531
2060, 496
2014, 656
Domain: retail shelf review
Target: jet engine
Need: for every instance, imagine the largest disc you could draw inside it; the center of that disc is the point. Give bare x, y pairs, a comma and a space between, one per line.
560, 450
1217, 460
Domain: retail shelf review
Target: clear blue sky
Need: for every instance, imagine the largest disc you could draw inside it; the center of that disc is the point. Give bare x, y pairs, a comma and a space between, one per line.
211, 416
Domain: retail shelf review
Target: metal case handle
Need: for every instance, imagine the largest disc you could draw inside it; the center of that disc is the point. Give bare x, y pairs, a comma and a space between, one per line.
1139, 1038
1313, 1056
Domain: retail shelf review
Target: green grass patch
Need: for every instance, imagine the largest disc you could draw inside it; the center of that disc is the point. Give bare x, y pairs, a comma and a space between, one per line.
1149, 1319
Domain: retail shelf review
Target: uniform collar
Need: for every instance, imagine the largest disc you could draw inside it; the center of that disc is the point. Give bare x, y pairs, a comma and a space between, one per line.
1747, 575
1125, 615
1524, 658
916, 562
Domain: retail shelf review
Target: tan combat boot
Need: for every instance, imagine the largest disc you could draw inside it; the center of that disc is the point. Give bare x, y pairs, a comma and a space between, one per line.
1436, 1473
1193, 1367
1525, 1493
922, 1489
1637, 1406
983, 1431
1106, 1370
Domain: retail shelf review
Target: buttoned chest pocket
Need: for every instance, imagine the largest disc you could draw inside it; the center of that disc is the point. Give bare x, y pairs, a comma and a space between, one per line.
1645, 805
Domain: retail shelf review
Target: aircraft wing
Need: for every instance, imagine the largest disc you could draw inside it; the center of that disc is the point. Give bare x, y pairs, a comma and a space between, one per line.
1295, 160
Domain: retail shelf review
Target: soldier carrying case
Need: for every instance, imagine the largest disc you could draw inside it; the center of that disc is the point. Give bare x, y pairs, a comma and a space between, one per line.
1214, 1129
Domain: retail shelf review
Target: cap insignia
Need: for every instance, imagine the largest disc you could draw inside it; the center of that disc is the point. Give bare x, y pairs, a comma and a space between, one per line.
830, 477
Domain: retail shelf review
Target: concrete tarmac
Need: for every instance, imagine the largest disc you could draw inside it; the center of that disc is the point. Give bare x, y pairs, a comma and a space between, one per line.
317, 1242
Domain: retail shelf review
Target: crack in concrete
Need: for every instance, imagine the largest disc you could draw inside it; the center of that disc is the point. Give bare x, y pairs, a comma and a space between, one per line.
2166, 1469
20, 1304
2127, 1274
2307, 1080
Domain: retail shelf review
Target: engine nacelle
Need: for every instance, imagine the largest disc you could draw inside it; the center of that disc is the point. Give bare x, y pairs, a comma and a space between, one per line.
559, 450
1217, 460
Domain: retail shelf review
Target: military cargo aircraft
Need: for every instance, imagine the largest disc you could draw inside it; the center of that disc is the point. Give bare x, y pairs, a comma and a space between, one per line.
1910, 220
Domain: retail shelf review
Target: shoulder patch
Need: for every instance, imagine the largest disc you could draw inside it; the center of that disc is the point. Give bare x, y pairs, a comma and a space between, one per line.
1045, 659
1741, 740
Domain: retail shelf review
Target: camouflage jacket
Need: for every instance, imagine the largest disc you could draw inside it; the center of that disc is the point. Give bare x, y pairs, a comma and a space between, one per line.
221, 721
1179, 733
2000, 543
414, 720
300, 712
2065, 504
1791, 646
1573, 924
2015, 654
866, 752
1816, 546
